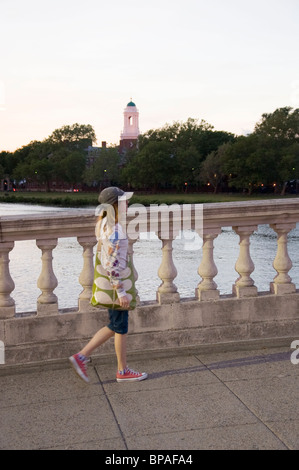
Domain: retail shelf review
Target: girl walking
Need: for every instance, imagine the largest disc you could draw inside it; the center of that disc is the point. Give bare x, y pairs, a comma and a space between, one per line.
114, 247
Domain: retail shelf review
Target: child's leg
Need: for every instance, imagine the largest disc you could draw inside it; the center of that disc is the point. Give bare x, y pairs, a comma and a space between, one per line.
120, 343
99, 338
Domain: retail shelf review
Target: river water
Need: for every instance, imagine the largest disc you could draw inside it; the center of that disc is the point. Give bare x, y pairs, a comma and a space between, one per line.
25, 263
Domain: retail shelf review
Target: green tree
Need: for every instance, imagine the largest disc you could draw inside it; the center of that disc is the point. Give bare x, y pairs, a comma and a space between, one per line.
289, 166
212, 169
71, 167
35, 163
278, 134
73, 136
172, 155
239, 162
151, 167
185, 167
106, 168
190, 133
2, 171
7, 162
61, 156
281, 126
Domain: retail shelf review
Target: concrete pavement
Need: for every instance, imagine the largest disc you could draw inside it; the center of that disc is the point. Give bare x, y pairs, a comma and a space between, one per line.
192, 400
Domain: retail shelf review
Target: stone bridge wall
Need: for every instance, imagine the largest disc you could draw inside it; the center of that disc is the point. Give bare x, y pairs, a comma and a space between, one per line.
168, 321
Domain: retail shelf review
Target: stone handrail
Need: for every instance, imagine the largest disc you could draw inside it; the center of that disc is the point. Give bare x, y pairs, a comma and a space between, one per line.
207, 219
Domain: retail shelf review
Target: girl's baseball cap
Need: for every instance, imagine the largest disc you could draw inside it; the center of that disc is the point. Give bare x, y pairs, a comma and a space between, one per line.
113, 194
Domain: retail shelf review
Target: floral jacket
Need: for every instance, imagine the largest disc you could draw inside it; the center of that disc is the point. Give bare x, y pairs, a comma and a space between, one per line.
114, 251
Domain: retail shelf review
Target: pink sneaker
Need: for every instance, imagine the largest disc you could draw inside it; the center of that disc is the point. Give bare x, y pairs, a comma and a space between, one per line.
129, 375
79, 362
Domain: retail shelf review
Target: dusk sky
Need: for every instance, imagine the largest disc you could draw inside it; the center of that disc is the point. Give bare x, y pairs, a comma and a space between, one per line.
68, 61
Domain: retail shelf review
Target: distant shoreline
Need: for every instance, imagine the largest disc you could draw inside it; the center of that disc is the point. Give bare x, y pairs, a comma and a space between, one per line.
91, 199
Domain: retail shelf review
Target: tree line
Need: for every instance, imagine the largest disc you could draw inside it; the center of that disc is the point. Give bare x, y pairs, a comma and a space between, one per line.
183, 156
59, 157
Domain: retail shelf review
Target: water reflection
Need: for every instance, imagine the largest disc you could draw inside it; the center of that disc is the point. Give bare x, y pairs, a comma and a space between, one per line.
25, 263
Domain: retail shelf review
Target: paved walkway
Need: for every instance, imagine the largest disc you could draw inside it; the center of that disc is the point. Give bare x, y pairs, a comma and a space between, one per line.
229, 400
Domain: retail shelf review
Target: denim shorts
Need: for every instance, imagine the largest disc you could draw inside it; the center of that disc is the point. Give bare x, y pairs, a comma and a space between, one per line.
119, 320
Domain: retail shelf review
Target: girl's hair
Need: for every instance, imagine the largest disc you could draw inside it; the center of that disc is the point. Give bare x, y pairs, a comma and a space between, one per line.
110, 213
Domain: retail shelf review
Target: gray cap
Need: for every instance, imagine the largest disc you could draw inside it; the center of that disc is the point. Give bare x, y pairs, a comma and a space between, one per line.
112, 194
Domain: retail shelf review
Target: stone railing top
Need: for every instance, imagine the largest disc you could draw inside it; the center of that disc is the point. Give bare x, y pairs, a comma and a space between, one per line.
251, 212
74, 223
54, 224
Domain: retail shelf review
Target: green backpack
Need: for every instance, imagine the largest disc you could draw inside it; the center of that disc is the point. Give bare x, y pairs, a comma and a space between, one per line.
104, 295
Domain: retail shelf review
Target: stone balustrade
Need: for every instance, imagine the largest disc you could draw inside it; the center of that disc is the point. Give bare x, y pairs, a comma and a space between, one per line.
207, 220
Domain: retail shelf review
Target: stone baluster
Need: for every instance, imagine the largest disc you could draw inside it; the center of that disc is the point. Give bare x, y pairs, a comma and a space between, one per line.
282, 263
87, 273
7, 285
167, 291
244, 285
131, 254
47, 302
207, 288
